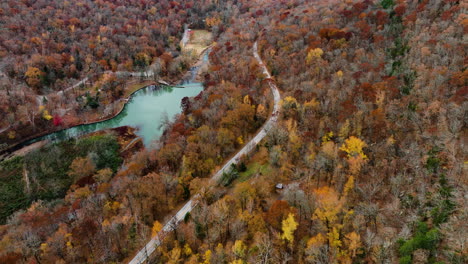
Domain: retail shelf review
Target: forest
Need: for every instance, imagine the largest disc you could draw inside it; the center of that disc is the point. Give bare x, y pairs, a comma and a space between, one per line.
369, 146
59, 60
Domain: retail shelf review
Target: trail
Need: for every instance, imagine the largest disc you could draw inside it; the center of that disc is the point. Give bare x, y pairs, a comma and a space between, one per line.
147, 74
143, 255
140, 74
187, 82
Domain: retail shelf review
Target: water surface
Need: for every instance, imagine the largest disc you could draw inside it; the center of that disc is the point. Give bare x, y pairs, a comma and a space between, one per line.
145, 110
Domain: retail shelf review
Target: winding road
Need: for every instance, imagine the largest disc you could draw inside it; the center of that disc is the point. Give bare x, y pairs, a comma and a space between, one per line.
143, 255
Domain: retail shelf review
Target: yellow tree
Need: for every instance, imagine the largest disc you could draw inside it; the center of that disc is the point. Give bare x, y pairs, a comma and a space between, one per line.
243, 193
314, 54
295, 142
247, 100
327, 137
290, 106
207, 257
349, 186
344, 130
353, 147
339, 74
334, 214
156, 228
174, 256
261, 112
289, 225
239, 249
153, 11
33, 76
331, 213
289, 102
45, 113
328, 206
44, 247
353, 243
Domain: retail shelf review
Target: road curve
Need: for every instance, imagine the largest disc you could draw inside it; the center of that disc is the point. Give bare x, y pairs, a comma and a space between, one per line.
150, 247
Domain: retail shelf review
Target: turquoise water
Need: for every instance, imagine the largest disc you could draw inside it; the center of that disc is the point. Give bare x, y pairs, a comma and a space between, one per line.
146, 109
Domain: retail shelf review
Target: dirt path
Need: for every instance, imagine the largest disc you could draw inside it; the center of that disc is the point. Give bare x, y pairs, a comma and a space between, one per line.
137, 74
150, 247
190, 75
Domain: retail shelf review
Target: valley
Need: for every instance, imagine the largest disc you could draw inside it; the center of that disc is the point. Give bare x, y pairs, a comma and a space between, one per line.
233, 132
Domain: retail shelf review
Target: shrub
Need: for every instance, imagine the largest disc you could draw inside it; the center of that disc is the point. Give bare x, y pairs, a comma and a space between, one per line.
386, 4
229, 177
424, 238
406, 260
433, 162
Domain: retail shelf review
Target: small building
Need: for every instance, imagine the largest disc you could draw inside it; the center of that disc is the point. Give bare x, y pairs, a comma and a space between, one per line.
279, 186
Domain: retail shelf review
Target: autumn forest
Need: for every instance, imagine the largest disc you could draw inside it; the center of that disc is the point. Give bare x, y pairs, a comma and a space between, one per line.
323, 131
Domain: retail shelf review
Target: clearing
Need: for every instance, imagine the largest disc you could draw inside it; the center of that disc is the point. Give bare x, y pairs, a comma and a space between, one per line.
198, 41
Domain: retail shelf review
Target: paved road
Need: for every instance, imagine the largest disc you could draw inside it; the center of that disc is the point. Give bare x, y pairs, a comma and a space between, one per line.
150, 247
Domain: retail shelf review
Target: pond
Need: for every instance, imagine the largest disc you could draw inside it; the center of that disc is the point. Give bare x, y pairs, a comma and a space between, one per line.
146, 110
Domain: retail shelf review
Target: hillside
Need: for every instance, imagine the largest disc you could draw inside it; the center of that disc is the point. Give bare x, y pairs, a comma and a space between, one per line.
62, 63
364, 162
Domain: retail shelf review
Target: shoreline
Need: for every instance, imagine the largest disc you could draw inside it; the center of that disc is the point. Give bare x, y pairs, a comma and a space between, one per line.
9, 152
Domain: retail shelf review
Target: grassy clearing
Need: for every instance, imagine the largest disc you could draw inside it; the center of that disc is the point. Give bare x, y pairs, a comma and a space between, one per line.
253, 169
241, 173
